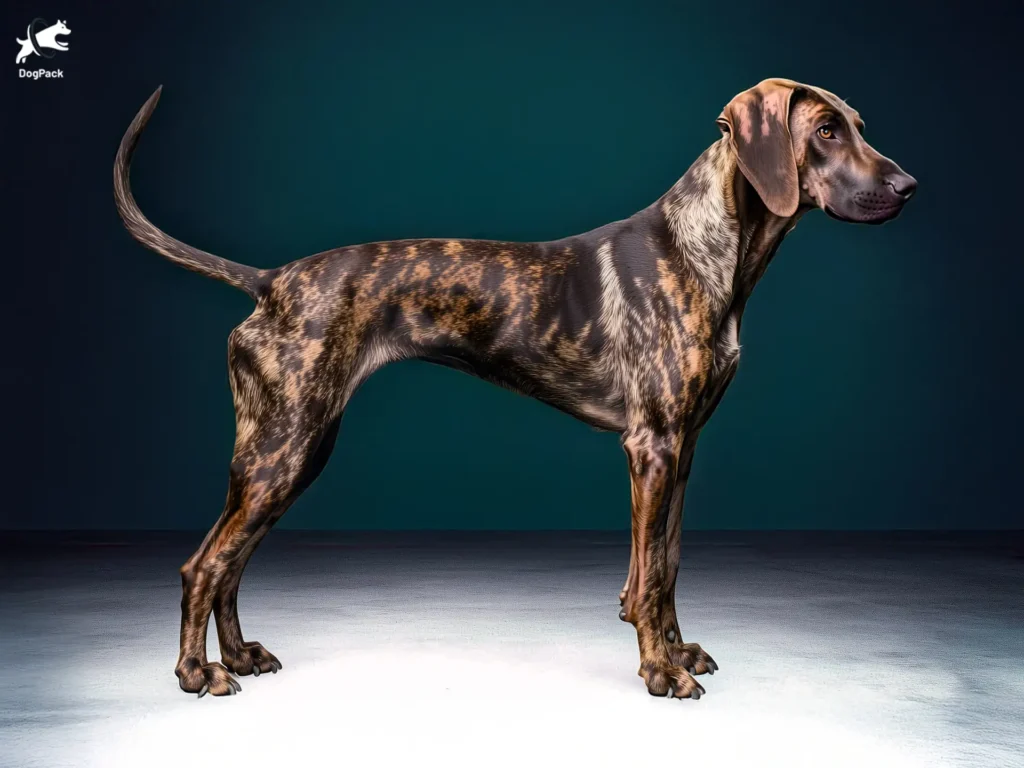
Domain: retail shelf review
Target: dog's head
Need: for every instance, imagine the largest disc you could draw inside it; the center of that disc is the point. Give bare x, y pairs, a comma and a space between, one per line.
801, 146
60, 28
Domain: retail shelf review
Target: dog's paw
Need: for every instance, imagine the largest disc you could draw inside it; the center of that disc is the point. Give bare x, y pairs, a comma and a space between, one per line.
212, 678
251, 659
671, 681
689, 656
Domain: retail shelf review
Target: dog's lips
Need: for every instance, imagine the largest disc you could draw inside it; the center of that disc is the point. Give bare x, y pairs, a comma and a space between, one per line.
878, 205
863, 214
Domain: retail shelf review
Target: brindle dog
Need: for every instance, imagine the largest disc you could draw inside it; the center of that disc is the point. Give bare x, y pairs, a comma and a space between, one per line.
631, 327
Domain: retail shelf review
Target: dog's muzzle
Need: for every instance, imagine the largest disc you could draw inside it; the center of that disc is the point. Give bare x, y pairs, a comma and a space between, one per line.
878, 204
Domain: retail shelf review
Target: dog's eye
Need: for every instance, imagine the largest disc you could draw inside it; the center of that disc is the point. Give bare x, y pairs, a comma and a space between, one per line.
826, 132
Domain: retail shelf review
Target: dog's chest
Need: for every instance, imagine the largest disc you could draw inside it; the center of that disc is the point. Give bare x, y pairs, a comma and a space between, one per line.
727, 346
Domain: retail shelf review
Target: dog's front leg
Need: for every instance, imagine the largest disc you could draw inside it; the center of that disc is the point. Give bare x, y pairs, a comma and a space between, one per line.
653, 469
688, 655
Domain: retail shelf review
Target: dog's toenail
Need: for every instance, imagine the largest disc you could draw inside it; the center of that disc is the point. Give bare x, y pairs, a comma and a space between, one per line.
622, 614
695, 694
255, 671
671, 635
203, 690
692, 670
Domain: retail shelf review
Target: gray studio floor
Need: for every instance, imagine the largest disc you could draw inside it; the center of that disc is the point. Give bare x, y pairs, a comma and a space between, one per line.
493, 649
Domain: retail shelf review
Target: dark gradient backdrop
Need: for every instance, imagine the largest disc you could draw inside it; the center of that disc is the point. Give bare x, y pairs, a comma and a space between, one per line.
880, 380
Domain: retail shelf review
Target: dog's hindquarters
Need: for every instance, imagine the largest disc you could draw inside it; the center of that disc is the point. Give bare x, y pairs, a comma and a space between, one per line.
287, 422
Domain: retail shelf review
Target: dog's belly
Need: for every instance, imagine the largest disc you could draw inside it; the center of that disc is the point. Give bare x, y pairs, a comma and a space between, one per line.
583, 394
542, 357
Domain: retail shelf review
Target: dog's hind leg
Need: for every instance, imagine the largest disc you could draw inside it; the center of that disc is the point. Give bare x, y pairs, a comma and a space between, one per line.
286, 427
238, 655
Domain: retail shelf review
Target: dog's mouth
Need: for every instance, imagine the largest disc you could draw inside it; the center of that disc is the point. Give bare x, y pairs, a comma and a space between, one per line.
866, 208
62, 44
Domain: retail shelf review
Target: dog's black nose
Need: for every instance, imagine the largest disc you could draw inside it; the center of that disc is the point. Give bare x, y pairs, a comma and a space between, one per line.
903, 184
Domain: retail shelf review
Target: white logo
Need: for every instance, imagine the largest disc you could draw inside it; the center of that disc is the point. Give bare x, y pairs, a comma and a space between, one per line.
42, 40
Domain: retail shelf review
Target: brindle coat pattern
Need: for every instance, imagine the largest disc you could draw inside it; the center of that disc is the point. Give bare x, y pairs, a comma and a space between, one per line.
632, 327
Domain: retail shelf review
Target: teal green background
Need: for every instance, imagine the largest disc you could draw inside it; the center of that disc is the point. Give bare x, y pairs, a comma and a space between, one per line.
880, 374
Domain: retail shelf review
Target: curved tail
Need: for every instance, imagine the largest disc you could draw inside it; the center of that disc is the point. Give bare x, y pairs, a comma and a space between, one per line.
239, 275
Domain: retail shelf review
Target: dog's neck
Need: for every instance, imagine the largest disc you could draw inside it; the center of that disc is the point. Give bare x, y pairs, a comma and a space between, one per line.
720, 228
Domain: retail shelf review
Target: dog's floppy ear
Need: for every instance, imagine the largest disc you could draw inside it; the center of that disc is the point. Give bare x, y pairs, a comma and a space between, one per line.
757, 122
